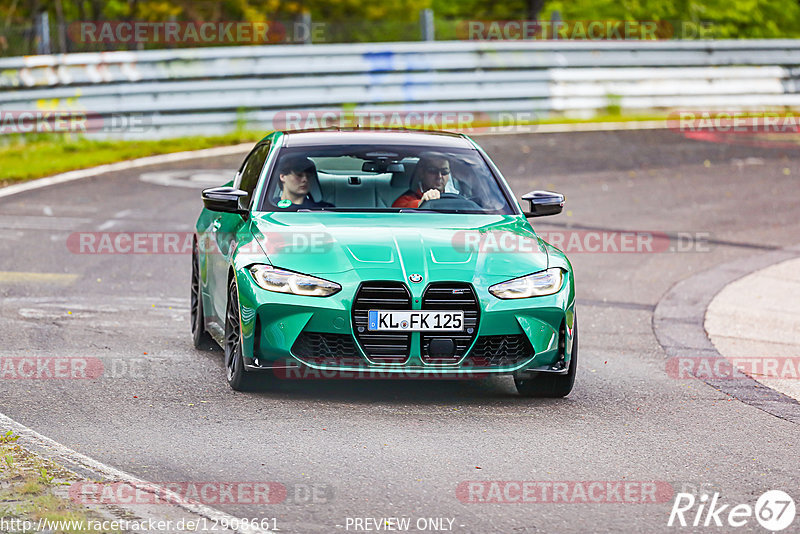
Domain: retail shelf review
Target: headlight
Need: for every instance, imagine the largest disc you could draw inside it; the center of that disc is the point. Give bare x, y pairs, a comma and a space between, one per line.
532, 285
280, 281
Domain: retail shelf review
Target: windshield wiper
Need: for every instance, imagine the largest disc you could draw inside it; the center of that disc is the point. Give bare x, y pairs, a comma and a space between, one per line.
433, 210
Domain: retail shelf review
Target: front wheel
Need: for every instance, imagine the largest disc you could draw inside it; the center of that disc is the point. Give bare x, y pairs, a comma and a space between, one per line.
200, 337
547, 384
238, 377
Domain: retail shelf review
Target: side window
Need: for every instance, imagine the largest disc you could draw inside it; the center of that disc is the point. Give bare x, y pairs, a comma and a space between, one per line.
252, 170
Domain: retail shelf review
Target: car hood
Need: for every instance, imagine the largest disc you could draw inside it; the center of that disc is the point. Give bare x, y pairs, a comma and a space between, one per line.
394, 246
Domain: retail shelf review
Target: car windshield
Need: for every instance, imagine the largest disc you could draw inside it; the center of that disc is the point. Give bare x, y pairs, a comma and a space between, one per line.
383, 178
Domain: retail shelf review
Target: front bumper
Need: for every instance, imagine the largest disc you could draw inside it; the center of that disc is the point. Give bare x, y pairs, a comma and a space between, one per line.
282, 331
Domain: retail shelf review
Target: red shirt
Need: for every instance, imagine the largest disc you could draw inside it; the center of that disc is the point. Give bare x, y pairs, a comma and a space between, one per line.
411, 199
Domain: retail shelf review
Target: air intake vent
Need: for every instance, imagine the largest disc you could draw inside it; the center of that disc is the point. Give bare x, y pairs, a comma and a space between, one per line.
451, 296
327, 349
500, 351
381, 347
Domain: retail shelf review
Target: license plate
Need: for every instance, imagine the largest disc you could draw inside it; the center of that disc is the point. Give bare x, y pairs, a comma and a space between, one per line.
416, 321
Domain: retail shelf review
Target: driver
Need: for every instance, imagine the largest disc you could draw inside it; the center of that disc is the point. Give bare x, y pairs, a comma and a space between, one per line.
435, 173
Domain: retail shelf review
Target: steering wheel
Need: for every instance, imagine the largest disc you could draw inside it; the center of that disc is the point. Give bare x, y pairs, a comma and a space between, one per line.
451, 201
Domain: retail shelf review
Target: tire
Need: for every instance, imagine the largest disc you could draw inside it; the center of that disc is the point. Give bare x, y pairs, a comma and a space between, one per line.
550, 385
238, 377
200, 337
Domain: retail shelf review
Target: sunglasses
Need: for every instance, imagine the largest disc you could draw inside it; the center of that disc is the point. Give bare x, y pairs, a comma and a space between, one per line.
444, 171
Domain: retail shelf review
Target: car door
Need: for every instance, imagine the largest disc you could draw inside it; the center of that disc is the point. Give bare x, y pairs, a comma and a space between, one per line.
226, 228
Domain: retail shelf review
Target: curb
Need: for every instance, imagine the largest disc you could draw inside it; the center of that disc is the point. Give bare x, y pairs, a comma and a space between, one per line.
87, 467
679, 326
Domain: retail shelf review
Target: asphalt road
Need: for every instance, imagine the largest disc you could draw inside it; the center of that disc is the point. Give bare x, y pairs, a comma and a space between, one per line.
163, 412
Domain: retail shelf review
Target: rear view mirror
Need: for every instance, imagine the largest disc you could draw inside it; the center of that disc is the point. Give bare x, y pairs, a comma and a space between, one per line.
544, 203
382, 166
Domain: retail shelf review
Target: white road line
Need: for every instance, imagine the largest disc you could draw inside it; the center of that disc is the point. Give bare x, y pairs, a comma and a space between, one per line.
193, 178
40, 222
113, 221
20, 277
62, 454
123, 166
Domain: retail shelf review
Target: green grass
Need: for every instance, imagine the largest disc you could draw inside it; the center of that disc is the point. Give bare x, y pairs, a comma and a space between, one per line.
32, 488
9, 437
35, 156
26, 158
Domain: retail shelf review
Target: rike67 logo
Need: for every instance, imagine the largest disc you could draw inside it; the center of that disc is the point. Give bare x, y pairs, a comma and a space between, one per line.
774, 510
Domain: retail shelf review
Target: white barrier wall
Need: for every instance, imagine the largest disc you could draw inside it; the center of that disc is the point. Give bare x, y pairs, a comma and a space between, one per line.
210, 90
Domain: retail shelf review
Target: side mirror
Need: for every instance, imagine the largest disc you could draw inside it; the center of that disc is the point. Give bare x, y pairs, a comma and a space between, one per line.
225, 199
544, 203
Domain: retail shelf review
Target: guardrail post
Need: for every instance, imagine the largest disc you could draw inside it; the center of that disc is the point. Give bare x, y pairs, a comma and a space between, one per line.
43, 33
555, 23
426, 24
61, 27
305, 26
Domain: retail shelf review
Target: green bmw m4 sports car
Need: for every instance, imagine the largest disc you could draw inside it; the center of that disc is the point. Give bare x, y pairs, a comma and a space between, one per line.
390, 253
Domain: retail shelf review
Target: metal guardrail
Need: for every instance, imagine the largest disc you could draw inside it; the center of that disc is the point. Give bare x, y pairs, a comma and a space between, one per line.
211, 90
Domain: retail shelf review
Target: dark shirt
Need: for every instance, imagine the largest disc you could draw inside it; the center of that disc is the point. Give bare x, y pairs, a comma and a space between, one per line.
308, 203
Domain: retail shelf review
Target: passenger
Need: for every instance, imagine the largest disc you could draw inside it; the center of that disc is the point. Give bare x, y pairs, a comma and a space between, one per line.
296, 174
